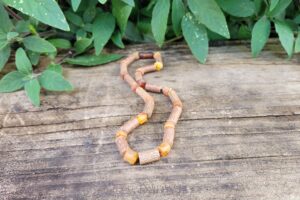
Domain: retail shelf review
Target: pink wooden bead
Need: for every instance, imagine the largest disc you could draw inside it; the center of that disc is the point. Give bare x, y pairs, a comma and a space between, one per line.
130, 125
149, 107
153, 88
169, 134
175, 114
149, 156
147, 69
143, 94
122, 145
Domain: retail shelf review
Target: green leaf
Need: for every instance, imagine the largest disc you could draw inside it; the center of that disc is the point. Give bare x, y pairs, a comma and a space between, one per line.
82, 44
55, 67
279, 8
54, 81
238, 8
121, 12
4, 56
297, 44
22, 62
129, 2
33, 57
60, 43
37, 44
210, 14
260, 35
273, 4
117, 40
11, 82
32, 89
196, 36
47, 12
178, 11
286, 36
159, 20
75, 4
103, 28
5, 22
3, 44
92, 60
12, 35
102, 1
74, 19
89, 14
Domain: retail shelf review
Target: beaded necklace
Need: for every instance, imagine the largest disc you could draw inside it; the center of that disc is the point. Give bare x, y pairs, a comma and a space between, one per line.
141, 88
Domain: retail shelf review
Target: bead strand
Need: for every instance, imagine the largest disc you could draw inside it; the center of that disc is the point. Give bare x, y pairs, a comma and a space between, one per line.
141, 88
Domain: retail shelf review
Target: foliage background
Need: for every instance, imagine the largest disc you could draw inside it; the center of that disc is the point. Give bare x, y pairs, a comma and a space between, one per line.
80, 29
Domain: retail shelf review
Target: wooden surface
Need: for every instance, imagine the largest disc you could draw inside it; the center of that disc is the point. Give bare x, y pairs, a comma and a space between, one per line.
238, 137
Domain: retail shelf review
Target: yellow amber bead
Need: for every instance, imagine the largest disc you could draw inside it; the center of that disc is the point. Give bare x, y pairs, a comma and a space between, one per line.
169, 124
164, 149
142, 118
121, 133
158, 66
131, 156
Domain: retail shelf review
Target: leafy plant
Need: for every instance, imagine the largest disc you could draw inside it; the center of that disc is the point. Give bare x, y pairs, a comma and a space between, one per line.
78, 31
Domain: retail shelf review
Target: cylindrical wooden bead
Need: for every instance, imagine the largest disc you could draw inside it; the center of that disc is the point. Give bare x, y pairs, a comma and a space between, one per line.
146, 55
173, 96
149, 156
148, 108
157, 57
175, 114
143, 94
131, 156
169, 134
153, 88
131, 82
122, 145
147, 69
164, 149
138, 75
166, 90
130, 125
123, 70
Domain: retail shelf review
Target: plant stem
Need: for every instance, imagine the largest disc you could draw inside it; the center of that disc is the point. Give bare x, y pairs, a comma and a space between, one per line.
12, 13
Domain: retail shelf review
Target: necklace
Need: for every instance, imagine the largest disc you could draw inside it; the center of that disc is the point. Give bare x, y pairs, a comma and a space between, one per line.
141, 88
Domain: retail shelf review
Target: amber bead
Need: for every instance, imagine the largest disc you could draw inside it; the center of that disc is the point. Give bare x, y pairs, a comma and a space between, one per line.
164, 149
131, 156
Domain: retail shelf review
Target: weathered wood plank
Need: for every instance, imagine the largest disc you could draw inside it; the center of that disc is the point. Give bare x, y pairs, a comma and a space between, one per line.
238, 138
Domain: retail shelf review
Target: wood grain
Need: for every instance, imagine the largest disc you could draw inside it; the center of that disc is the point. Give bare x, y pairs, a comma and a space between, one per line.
238, 137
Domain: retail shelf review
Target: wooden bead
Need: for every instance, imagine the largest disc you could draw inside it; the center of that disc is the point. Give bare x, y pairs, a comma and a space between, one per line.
130, 125
164, 149
142, 118
149, 107
157, 57
177, 103
174, 97
131, 82
138, 75
169, 135
175, 114
147, 69
130, 156
146, 55
149, 156
166, 90
143, 94
153, 88
122, 145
